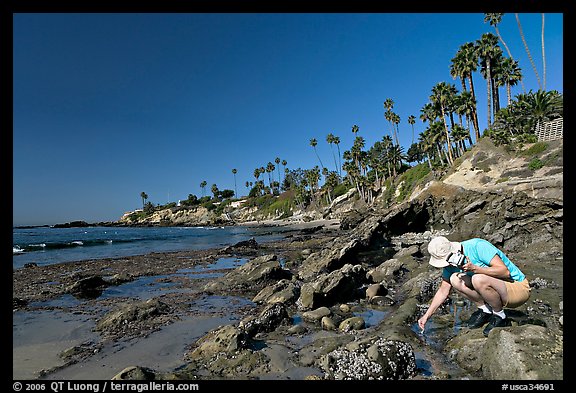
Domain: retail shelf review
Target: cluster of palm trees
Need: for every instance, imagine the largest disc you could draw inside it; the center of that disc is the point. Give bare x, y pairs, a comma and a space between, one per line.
258, 186
451, 123
451, 119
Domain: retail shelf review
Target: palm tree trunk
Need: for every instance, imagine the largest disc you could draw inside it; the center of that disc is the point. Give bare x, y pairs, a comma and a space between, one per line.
528, 51
339, 161
474, 114
450, 158
429, 161
543, 56
495, 98
439, 152
489, 93
507, 50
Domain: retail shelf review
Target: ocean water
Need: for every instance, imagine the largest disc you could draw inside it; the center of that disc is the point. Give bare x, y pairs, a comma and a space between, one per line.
46, 245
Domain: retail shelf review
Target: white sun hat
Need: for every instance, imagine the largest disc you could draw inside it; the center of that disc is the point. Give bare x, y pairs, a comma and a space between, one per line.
439, 248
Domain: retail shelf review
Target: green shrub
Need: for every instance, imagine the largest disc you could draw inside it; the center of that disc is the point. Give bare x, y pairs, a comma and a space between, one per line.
411, 178
535, 149
535, 164
209, 206
340, 189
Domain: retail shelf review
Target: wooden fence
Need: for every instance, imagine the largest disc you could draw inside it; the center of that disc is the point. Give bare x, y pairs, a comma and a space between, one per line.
550, 130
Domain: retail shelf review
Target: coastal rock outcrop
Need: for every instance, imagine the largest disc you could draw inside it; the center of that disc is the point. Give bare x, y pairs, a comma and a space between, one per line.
376, 359
340, 273
253, 276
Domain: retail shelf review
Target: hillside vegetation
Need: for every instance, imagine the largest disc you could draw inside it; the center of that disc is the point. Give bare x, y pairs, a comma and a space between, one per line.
533, 168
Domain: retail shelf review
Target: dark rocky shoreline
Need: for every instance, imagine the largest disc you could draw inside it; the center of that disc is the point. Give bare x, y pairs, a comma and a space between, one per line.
309, 298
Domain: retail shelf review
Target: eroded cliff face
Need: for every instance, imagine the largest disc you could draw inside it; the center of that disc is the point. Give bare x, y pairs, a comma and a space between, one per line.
176, 216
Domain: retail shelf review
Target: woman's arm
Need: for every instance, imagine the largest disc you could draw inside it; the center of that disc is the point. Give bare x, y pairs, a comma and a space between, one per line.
496, 268
439, 298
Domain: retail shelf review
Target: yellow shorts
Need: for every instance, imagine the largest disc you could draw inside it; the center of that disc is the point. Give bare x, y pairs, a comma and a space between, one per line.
518, 293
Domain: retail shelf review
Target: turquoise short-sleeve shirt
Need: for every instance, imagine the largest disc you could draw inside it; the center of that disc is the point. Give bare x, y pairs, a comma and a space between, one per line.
480, 252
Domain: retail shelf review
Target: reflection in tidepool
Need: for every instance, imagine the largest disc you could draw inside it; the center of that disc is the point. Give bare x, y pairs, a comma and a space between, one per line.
38, 337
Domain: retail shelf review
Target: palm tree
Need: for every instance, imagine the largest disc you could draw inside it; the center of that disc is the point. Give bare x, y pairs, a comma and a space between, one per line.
284, 163
203, 185
215, 190
426, 145
330, 140
437, 136
387, 144
277, 161
411, 121
396, 156
528, 50
440, 94
396, 120
466, 107
235, 171
486, 52
464, 64
313, 143
496, 71
459, 135
337, 143
391, 116
269, 169
256, 175
509, 74
495, 19
377, 159
388, 103
144, 196
355, 130
540, 106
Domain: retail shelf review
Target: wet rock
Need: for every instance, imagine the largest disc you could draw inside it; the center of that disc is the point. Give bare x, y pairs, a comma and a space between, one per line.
132, 313
253, 276
327, 323
343, 251
527, 352
352, 323
386, 270
120, 278
337, 286
297, 329
466, 349
88, 287
135, 373
251, 244
375, 290
382, 300
269, 319
379, 360
284, 291
18, 303
227, 339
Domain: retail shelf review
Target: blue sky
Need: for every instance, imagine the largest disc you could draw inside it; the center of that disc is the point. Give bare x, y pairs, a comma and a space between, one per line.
106, 106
